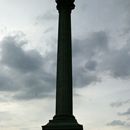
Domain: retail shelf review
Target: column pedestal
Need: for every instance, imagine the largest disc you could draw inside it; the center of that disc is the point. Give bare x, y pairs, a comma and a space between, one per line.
63, 123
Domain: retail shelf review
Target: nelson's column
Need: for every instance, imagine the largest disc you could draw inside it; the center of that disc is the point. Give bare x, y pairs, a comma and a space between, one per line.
64, 119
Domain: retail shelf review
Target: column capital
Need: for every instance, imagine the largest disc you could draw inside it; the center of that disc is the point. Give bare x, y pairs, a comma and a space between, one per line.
65, 4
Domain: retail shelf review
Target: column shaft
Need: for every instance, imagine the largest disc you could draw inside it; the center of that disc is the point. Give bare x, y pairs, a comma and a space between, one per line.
64, 65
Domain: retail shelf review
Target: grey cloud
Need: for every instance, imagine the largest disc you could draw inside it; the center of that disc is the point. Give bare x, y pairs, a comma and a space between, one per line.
28, 75
117, 62
124, 113
38, 85
93, 56
120, 103
7, 84
117, 123
83, 77
91, 65
85, 55
97, 42
15, 57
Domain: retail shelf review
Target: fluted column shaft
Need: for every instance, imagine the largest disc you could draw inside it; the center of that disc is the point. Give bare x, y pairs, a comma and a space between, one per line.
64, 66
64, 62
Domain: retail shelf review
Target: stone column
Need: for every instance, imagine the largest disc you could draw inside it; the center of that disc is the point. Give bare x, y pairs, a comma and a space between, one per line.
64, 59
64, 119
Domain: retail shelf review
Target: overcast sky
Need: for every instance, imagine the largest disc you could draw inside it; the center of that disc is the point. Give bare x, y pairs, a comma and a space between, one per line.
101, 63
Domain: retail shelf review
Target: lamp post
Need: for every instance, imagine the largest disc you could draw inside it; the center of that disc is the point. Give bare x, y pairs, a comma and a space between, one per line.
64, 119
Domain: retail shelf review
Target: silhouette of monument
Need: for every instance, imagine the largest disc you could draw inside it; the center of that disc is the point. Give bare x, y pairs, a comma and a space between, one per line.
64, 119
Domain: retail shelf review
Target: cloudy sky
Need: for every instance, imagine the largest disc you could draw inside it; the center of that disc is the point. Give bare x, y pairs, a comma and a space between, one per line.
101, 63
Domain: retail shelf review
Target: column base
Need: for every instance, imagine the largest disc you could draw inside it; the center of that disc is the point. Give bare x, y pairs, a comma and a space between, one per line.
63, 123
